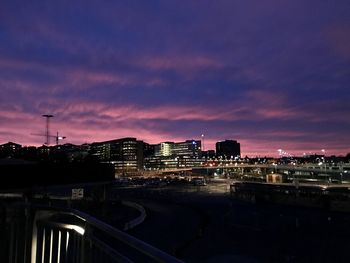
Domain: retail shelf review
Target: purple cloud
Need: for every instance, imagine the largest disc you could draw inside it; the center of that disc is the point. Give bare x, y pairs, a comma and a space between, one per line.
270, 74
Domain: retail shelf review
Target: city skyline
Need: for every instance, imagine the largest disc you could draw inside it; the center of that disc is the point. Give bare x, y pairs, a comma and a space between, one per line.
271, 75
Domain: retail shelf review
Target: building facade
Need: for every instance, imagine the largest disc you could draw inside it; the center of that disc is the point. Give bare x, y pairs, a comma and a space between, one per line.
9, 149
188, 148
228, 149
126, 154
164, 149
173, 155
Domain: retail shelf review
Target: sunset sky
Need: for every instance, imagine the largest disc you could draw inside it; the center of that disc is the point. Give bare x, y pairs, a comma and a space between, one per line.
271, 74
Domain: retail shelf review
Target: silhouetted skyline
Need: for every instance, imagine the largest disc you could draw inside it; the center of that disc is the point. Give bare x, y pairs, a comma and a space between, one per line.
270, 74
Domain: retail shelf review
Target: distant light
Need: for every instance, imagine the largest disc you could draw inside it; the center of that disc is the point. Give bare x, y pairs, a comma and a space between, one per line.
193, 142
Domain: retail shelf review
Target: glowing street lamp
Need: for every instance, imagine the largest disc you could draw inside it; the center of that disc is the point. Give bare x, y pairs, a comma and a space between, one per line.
324, 158
202, 136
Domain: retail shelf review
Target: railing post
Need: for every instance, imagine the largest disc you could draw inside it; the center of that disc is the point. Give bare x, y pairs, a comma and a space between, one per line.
12, 242
28, 231
63, 235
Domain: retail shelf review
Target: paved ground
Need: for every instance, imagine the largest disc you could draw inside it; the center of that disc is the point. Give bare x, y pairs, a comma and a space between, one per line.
202, 224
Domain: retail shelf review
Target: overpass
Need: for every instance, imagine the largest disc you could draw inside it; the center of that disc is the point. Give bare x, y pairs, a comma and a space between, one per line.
340, 170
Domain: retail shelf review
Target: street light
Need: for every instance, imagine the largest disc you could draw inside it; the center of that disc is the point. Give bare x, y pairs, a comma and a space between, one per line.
324, 156
202, 136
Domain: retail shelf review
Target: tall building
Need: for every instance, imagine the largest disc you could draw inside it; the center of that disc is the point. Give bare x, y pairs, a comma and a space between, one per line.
148, 149
125, 153
170, 155
228, 149
189, 148
164, 149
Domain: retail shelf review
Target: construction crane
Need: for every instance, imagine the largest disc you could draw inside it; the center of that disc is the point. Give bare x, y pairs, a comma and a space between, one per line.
47, 135
47, 132
58, 138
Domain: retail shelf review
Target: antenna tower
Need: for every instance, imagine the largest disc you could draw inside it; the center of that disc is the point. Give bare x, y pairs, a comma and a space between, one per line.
47, 132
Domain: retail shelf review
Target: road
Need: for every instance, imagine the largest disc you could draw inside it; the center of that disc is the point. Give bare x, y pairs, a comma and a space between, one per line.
188, 222
202, 224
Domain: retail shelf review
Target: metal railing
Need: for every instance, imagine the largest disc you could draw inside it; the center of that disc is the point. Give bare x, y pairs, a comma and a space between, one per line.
35, 233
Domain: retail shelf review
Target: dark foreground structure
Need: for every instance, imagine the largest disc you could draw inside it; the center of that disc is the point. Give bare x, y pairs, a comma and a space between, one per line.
34, 227
38, 232
195, 223
29, 175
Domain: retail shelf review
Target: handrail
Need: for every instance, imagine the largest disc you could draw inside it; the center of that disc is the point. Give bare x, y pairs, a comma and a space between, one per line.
49, 226
135, 222
141, 246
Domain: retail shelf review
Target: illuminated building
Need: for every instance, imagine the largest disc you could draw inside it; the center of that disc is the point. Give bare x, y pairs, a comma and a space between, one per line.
169, 155
164, 149
126, 154
189, 149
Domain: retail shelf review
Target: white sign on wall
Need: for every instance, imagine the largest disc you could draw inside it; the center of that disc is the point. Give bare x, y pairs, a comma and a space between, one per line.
77, 193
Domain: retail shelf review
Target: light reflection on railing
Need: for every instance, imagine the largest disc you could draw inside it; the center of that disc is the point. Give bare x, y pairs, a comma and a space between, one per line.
45, 234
